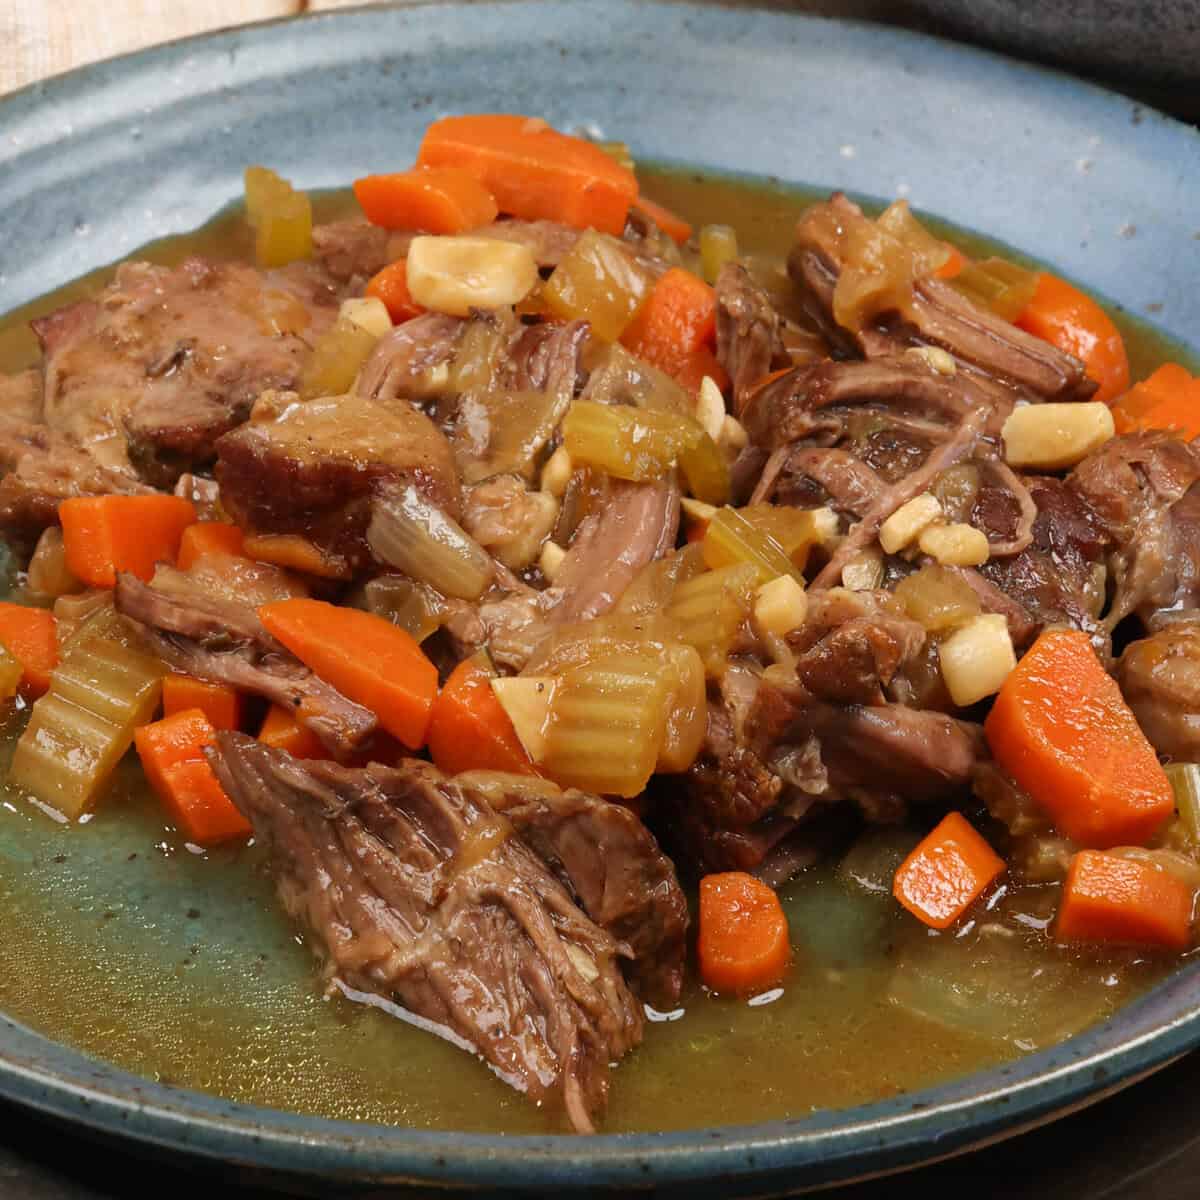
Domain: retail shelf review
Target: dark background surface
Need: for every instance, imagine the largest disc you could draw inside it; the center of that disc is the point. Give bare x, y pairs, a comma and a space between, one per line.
1141, 1144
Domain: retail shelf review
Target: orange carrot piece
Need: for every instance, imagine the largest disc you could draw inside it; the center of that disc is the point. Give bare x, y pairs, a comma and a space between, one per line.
743, 943
469, 729
698, 364
30, 635
106, 534
367, 658
1074, 322
674, 226
1061, 728
296, 553
172, 754
1168, 399
208, 537
534, 171
220, 704
678, 318
946, 873
953, 265
433, 199
1107, 898
391, 286
282, 731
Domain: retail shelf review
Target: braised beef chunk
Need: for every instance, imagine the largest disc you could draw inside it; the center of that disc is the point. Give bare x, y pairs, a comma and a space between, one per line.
311, 470
749, 339
636, 524
1160, 678
40, 468
1058, 578
213, 637
414, 888
168, 359
930, 313
404, 357
1142, 489
612, 864
21, 396
549, 241
352, 251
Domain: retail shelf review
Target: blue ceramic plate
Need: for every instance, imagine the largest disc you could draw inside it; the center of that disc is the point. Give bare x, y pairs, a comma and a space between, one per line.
98, 162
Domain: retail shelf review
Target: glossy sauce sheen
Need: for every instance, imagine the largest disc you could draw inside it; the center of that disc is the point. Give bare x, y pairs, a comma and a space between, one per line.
180, 965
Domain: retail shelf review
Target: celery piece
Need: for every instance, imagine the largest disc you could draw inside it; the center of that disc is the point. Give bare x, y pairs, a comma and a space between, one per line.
280, 216
998, 285
80, 729
626, 442
606, 726
600, 282
418, 538
704, 470
10, 674
731, 538
687, 708
336, 359
718, 245
1185, 782
709, 610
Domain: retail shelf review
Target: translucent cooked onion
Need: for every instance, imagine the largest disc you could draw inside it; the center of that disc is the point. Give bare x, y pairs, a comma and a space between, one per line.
49, 576
414, 607
414, 536
883, 260
938, 598
597, 281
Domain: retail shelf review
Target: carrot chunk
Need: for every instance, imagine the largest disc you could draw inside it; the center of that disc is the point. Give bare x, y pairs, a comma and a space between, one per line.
698, 364
208, 537
172, 754
1074, 322
743, 942
675, 227
534, 171
433, 199
106, 534
1061, 728
391, 286
946, 873
1168, 399
220, 704
282, 731
1107, 898
30, 635
678, 318
469, 729
953, 265
367, 658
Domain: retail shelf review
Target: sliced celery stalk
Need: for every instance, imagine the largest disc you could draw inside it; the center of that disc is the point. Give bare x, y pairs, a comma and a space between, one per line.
607, 723
80, 729
731, 538
626, 442
709, 609
1185, 781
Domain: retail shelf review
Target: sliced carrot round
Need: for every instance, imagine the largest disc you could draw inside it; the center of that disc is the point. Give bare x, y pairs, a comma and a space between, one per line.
743, 943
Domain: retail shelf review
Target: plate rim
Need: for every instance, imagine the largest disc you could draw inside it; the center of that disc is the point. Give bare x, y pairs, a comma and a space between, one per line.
831, 1146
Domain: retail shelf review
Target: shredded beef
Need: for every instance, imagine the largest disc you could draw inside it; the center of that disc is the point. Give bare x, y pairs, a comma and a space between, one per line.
222, 640
414, 888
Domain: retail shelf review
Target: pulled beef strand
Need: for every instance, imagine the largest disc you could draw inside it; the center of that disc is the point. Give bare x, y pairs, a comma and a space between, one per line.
220, 640
414, 888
